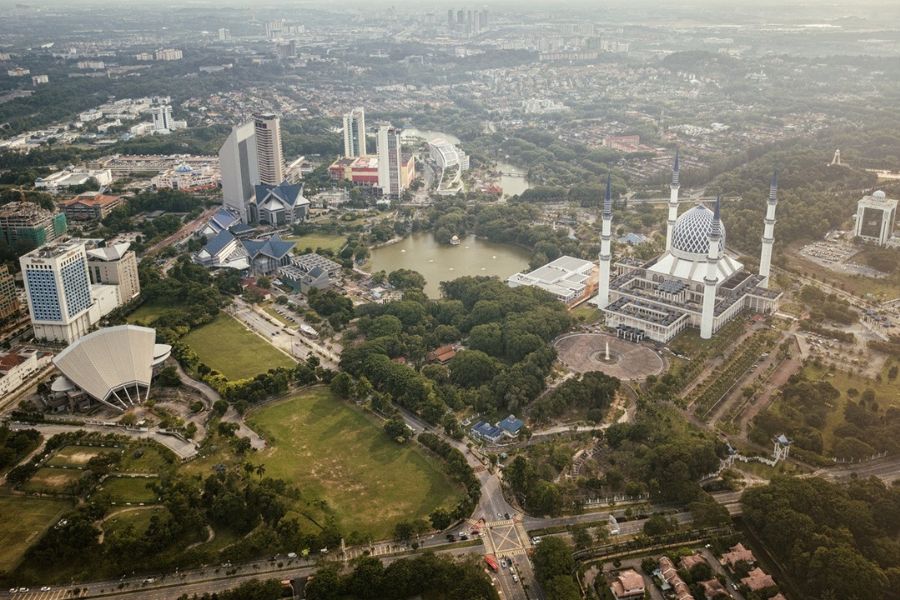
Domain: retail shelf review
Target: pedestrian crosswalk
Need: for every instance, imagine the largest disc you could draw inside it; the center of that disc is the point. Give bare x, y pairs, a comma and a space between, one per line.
52, 594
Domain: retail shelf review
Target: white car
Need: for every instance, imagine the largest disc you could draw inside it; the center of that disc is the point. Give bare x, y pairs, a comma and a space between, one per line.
46, 588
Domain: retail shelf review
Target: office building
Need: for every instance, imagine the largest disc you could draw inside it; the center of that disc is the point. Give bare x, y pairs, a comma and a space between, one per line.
115, 265
355, 133
58, 290
9, 303
90, 206
239, 167
224, 34
875, 217
162, 118
28, 223
268, 148
389, 161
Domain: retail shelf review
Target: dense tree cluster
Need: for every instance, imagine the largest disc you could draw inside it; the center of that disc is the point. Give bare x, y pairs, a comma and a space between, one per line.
509, 333
554, 568
835, 540
426, 576
249, 590
16, 445
592, 392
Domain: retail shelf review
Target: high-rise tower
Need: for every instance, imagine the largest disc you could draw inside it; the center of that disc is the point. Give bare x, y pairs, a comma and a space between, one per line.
268, 148
768, 239
239, 166
605, 250
355, 133
673, 203
712, 270
388, 147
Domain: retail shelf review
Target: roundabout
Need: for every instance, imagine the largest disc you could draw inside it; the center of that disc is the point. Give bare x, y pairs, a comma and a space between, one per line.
583, 352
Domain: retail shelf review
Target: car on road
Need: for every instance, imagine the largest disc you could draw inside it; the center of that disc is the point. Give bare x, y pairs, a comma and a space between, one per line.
451, 537
515, 578
46, 588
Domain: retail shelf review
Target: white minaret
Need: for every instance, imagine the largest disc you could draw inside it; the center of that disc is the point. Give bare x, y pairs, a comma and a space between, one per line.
673, 203
605, 251
709, 282
768, 239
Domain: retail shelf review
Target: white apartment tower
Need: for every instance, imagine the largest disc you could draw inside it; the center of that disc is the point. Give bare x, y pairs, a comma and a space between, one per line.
162, 118
673, 203
268, 148
712, 270
605, 249
875, 217
58, 289
239, 166
355, 133
768, 239
389, 161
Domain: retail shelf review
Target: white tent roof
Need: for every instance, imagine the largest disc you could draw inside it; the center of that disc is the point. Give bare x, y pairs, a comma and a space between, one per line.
694, 270
109, 359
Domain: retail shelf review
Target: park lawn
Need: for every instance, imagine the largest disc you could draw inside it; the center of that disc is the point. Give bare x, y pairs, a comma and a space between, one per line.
51, 480
149, 312
146, 458
586, 313
76, 456
138, 517
887, 394
229, 348
129, 489
338, 453
32, 516
317, 240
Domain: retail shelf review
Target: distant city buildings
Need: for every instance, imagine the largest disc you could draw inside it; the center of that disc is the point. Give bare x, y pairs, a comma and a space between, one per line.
875, 218
26, 222
224, 34
355, 133
39, 79
163, 122
18, 72
167, 54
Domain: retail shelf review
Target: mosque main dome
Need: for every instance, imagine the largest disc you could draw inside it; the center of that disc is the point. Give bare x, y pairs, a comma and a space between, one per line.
690, 236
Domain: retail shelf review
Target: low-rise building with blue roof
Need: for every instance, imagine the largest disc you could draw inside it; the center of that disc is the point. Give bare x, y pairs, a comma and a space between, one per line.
487, 432
511, 426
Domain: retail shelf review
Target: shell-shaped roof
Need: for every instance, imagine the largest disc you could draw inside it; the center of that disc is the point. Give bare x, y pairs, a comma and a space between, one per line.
690, 237
109, 359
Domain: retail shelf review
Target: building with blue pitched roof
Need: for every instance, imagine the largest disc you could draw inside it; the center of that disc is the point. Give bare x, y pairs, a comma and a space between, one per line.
266, 256
487, 432
511, 426
223, 220
259, 257
278, 205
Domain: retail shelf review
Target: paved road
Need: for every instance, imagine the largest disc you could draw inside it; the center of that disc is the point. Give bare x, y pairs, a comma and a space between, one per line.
184, 450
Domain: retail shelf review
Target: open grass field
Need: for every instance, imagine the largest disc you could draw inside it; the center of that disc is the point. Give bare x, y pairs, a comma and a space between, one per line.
77, 456
51, 480
24, 522
317, 240
136, 516
148, 312
129, 489
226, 346
335, 451
587, 313
145, 459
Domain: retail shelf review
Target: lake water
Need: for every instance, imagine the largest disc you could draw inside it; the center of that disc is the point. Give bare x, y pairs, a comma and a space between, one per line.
438, 262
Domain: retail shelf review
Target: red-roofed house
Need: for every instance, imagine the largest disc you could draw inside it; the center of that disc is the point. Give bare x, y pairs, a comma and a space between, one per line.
628, 584
667, 569
442, 354
690, 561
757, 579
713, 588
737, 554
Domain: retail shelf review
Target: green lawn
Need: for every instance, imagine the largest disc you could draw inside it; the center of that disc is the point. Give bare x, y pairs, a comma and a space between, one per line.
145, 459
129, 489
335, 451
138, 517
148, 312
226, 346
52, 481
587, 313
317, 240
24, 521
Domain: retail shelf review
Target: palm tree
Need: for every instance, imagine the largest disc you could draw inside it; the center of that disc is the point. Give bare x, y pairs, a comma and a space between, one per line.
260, 470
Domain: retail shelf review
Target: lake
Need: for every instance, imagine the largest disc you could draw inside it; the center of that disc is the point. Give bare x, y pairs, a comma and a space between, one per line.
439, 262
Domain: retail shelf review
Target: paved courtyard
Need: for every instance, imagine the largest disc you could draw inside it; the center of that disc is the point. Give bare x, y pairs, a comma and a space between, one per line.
583, 352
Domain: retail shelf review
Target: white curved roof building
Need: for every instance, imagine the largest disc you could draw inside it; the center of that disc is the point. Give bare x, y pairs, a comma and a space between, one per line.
112, 365
686, 259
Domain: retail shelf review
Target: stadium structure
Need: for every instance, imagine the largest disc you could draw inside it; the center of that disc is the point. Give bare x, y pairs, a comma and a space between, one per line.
696, 282
113, 366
